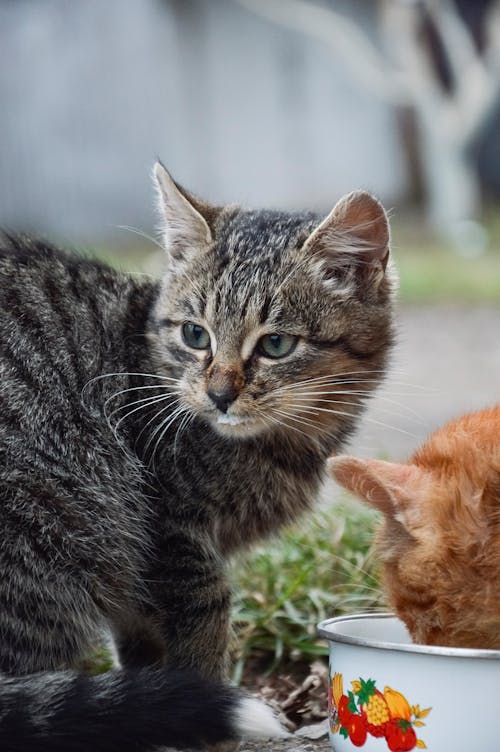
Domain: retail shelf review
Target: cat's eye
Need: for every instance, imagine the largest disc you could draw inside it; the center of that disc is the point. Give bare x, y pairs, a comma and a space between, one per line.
276, 345
195, 336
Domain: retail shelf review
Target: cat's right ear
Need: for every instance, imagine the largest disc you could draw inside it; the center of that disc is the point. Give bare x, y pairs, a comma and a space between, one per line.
353, 238
187, 221
389, 487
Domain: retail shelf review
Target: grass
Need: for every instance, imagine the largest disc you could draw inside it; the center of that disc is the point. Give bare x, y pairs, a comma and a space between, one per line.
433, 274
431, 271
317, 570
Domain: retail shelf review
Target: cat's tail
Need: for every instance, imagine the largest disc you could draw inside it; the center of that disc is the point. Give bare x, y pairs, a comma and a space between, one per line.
125, 711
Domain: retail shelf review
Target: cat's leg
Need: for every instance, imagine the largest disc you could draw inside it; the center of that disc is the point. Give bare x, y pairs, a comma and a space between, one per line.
138, 642
193, 600
45, 622
196, 619
190, 624
60, 568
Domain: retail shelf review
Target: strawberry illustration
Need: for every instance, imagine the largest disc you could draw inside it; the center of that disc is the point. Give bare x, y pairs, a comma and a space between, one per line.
344, 711
400, 735
357, 729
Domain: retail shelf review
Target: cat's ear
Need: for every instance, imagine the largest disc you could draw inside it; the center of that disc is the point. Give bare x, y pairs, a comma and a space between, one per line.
354, 236
389, 487
187, 221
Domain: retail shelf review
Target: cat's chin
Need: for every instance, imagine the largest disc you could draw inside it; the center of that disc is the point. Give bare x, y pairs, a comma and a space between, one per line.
236, 427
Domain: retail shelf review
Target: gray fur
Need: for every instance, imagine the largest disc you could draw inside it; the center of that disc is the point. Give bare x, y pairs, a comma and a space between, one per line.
115, 510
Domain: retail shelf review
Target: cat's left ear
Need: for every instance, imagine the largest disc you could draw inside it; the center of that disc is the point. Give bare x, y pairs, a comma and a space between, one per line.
389, 487
354, 236
187, 220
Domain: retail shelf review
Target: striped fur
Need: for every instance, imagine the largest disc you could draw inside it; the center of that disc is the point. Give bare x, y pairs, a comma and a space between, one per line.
123, 489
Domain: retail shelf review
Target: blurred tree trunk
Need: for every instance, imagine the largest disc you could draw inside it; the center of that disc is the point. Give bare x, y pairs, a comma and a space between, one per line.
430, 59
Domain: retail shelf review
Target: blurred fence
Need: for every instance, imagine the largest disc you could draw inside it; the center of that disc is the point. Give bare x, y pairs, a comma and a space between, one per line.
239, 109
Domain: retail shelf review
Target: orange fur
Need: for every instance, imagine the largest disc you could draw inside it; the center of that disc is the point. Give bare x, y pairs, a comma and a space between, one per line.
439, 540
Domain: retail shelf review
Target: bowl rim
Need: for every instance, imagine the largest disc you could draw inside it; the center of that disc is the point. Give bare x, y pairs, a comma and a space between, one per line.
404, 647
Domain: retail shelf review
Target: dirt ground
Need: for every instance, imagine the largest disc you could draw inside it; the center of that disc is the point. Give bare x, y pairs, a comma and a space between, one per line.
294, 743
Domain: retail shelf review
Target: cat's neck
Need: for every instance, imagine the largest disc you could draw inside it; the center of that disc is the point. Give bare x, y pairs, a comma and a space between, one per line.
269, 481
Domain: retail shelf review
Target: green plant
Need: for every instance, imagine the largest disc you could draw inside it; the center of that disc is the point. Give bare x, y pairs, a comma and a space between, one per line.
316, 570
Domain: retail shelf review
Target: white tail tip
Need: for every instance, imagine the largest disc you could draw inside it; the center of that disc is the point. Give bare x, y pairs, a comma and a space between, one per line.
254, 719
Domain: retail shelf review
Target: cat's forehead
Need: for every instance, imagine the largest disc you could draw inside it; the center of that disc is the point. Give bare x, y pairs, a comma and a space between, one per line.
254, 257
261, 237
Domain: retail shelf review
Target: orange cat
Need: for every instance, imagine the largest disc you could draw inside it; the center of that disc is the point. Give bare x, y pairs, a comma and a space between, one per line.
439, 541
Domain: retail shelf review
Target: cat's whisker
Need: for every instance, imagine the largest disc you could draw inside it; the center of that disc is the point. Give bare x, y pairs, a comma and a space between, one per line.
183, 425
312, 389
348, 603
302, 421
279, 422
359, 586
344, 377
116, 427
355, 393
149, 422
144, 403
341, 382
159, 427
318, 381
136, 402
343, 413
138, 389
405, 412
313, 409
141, 234
338, 375
164, 426
127, 373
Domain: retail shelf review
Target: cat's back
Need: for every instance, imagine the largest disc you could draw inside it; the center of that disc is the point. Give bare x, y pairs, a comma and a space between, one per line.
465, 441
61, 312
465, 455
32, 271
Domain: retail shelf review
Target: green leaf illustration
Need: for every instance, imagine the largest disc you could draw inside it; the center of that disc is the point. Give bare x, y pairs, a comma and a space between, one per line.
366, 691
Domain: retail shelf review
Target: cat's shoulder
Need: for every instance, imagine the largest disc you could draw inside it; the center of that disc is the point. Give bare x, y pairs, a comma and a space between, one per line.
25, 251
35, 269
33, 260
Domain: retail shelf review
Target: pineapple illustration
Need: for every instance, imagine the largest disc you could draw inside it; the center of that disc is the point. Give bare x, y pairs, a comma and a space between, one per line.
373, 706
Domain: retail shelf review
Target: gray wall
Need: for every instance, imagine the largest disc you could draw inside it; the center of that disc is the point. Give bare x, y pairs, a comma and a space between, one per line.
238, 109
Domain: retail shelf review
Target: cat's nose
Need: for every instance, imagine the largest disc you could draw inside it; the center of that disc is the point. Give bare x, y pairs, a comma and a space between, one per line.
224, 383
224, 397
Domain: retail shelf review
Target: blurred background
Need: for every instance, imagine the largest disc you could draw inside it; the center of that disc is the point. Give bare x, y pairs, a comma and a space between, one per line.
284, 103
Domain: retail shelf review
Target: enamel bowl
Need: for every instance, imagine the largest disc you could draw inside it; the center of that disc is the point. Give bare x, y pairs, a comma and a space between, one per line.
388, 694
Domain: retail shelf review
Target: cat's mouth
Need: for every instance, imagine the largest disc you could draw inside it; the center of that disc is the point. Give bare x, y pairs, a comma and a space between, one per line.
231, 420
231, 424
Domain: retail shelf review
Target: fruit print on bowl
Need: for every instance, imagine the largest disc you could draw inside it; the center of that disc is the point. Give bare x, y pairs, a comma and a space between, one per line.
365, 710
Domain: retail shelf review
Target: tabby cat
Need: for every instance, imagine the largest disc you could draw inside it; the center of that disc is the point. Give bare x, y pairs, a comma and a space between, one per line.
439, 541
148, 431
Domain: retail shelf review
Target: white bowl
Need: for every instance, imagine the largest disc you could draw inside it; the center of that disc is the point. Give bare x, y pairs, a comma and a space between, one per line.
388, 694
